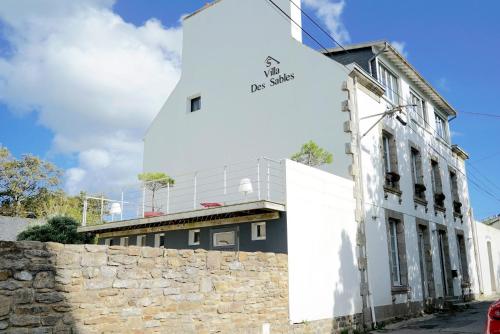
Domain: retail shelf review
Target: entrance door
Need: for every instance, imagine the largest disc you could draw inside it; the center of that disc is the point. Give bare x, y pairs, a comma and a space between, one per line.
423, 267
492, 269
442, 262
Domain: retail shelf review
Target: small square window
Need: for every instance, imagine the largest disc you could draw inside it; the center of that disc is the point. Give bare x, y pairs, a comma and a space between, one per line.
141, 241
259, 231
195, 104
160, 240
224, 239
108, 242
124, 241
194, 237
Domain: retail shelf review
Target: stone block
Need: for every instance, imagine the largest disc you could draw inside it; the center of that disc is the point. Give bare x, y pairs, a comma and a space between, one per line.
66, 259
94, 260
5, 303
119, 259
97, 284
5, 275
213, 260
44, 280
23, 296
125, 284
151, 252
23, 276
49, 297
24, 320
3, 325
10, 285
206, 285
96, 248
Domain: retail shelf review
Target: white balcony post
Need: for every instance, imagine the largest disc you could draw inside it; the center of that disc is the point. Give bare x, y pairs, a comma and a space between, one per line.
143, 200
268, 181
121, 213
225, 180
102, 208
194, 199
258, 179
84, 212
168, 197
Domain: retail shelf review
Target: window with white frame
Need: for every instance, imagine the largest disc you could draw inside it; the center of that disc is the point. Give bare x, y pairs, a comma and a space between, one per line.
160, 240
194, 237
108, 242
417, 110
141, 241
441, 127
259, 231
394, 249
224, 239
124, 241
390, 82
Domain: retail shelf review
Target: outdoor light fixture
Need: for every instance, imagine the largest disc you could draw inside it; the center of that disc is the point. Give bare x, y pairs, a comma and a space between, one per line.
115, 209
245, 187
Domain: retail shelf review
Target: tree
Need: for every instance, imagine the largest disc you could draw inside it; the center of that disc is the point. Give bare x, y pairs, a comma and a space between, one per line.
57, 229
312, 155
23, 179
155, 181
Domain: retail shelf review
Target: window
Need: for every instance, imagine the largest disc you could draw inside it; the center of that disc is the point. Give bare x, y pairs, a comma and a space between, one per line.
141, 241
417, 111
108, 242
457, 205
124, 241
224, 239
194, 237
195, 103
160, 240
390, 82
441, 127
259, 231
394, 250
390, 160
416, 171
436, 184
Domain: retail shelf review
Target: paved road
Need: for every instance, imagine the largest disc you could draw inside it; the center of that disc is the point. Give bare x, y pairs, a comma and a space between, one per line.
471, 320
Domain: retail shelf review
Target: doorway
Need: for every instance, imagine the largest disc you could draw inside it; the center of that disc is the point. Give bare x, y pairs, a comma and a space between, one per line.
424, 259
444, 262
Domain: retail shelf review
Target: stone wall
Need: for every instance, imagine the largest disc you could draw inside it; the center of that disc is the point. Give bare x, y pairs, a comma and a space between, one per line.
54, 288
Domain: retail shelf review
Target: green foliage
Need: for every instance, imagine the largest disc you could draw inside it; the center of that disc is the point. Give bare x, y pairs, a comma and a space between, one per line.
312, 155
21, 180
57, 229
155, 181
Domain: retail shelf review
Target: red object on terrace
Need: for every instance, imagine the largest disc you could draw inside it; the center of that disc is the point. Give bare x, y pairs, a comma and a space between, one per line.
493, 320
211, 205
150, 214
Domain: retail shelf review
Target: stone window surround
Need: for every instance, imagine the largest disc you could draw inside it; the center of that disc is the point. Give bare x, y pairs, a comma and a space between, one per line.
463, 256
403, 266
421, 223
440, 228
436, 182
393, 159
419, 177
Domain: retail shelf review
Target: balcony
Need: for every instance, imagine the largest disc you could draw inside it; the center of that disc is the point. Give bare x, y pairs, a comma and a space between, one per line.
251, 184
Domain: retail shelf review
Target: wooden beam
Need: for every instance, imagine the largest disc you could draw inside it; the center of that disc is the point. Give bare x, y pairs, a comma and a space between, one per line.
186, 226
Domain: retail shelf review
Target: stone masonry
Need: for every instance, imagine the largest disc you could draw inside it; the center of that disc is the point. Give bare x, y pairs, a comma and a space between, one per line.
54, 288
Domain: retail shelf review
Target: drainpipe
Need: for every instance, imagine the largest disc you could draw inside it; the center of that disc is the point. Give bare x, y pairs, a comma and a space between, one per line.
386, 45
369, 300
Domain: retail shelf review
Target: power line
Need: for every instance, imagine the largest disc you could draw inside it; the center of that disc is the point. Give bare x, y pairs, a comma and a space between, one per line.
401, 98
480, 114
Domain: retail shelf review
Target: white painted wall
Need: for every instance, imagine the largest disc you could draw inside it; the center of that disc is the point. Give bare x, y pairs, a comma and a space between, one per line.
375, 203
484, 234
224, 52
322, 260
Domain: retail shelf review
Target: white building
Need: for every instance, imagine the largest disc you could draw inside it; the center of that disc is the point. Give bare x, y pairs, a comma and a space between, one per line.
385, 229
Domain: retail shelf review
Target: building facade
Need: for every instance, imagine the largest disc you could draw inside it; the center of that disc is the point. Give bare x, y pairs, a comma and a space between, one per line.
385, 230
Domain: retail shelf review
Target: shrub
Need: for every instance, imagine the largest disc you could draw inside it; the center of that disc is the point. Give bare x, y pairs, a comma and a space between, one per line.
57, 229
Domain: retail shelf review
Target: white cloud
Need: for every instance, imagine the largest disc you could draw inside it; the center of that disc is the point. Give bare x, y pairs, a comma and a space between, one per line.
95, 80
330, 13
400, 47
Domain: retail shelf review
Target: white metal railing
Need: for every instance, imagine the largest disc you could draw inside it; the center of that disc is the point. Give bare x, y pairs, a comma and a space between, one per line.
261, 179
